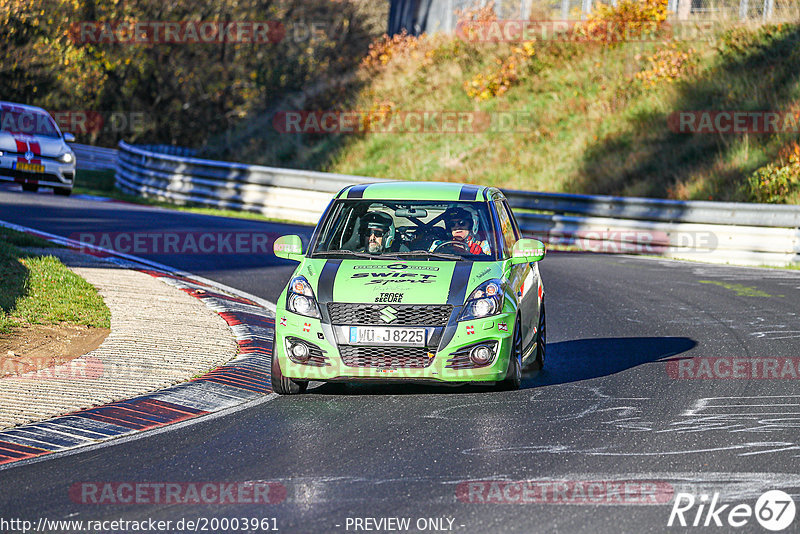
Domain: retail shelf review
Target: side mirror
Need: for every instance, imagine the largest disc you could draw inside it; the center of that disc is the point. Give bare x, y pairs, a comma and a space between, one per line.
288, 247
527, 251
68, 137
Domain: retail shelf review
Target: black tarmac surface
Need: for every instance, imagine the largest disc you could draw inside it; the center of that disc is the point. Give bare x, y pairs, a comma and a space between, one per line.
607, 409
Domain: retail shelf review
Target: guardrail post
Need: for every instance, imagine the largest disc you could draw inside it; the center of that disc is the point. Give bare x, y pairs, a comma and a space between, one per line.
744, 8
586, 8
684, 9
768, 8
449, 19
525, 9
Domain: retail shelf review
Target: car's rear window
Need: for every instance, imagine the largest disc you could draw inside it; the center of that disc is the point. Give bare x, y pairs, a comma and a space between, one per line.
26, 121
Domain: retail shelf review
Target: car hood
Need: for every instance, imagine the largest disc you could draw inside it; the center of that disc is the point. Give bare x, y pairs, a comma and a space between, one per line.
40, 145
401, 282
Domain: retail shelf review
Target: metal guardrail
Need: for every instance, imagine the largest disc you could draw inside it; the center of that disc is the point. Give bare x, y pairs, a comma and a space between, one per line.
94, 158
299, 196
721, 232
652, 209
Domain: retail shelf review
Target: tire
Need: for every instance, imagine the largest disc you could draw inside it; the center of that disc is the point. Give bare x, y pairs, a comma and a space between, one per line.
30, 188
541, 339
62, 191
513, 379
283, 385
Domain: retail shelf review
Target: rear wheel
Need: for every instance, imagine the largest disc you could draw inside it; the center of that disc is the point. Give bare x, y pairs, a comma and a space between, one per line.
62, 191
513, 378
283, 385
30, 188
541, 339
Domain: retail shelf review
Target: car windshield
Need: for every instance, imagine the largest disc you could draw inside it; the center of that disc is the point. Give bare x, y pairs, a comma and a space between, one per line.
428, 230
26, 121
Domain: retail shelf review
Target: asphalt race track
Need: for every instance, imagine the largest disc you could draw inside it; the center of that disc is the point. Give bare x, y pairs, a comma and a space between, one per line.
608, 409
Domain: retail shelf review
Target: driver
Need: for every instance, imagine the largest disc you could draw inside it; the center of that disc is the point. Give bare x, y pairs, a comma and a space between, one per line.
458, 222
375, 232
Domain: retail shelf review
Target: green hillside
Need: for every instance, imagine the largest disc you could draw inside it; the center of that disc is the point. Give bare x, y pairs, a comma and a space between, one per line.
598, 113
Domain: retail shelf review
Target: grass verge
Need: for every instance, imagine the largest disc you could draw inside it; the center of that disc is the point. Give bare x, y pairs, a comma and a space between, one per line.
39, 289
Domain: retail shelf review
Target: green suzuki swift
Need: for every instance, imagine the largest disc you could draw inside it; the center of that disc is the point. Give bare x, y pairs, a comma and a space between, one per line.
414, 282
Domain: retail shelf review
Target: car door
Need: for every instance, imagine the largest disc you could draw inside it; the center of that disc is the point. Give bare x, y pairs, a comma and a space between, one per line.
519, 275
528, 290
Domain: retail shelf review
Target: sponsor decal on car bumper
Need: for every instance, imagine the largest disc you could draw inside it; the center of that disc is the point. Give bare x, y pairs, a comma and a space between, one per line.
350, 359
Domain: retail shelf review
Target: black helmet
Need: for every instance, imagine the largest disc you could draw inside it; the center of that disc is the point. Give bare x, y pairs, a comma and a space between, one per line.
378, 221
456, 214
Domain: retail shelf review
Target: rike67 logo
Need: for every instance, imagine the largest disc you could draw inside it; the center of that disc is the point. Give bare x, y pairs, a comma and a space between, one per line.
774, 510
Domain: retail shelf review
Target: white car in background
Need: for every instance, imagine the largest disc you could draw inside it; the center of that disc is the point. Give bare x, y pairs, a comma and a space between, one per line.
33, 151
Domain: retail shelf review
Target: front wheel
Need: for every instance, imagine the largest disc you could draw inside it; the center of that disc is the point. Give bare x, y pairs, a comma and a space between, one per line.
62, 191
283, 385
30, 188
513, 378
541, 339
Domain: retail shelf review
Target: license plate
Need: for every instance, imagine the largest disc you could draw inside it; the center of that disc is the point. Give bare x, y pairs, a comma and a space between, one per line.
387, 335
29, 167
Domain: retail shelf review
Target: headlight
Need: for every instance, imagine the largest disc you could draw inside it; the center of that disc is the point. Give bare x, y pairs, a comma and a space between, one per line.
300, 298
66, 157
486, 300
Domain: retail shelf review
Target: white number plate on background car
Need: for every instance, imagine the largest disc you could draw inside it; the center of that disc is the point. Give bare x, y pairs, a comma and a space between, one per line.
387, 335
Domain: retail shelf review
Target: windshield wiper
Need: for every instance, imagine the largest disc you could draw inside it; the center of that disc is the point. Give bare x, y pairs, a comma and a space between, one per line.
344, 251
365, 255
440, 255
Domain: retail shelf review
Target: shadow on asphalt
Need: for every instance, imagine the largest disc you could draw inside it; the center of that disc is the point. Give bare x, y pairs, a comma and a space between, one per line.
567, 361
584, 359
377, 388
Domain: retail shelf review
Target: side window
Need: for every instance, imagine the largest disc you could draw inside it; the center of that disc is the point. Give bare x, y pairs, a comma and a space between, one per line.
506, 227
517, 233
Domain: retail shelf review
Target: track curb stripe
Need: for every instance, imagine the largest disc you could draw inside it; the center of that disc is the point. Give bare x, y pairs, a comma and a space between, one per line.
244, 378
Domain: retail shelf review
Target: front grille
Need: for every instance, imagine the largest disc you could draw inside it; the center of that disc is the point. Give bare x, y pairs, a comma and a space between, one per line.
406, 314
21, 175
386, 357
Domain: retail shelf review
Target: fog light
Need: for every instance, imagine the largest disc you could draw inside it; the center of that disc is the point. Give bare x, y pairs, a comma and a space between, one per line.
480, 355
300, 351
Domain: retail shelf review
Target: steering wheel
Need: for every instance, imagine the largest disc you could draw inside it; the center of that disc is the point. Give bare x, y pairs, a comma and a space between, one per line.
456, 244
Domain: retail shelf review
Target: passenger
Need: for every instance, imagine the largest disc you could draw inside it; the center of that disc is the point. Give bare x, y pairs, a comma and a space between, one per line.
458, 222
